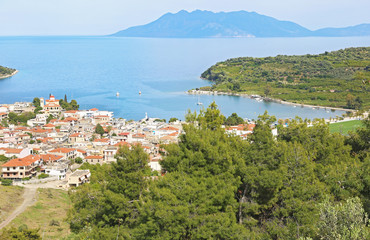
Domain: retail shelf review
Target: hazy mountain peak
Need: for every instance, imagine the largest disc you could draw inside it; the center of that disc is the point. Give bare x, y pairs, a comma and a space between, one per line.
203, 24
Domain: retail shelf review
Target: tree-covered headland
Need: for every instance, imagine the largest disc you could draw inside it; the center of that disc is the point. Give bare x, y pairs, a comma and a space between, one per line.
5, 72
334, 79
304, 184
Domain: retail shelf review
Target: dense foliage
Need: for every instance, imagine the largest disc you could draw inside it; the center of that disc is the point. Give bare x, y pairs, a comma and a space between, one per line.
336, 79
20, 118
217, 186
69, 105
4, 71
22, 233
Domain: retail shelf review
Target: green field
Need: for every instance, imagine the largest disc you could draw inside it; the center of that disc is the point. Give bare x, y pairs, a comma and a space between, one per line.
48, 214
10, 199
345, 127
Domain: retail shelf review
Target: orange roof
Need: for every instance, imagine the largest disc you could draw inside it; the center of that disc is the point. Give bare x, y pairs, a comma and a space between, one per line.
50, 157
94, 157
169, 128
19, 162
12, 150
93, 109
52, 105
122, 144
102, 140
2, 114
138, 135
76, 135
81, 151
124, 134
70, 119
167, 137
174, 134
49, 125
63, 150
47, 139
38, 130
71, 111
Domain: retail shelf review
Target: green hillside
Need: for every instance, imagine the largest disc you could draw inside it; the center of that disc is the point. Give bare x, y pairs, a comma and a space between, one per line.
334, 79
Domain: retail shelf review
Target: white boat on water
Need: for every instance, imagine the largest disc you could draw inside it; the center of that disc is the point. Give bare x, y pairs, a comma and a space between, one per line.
117, 94
199, 102
139, 92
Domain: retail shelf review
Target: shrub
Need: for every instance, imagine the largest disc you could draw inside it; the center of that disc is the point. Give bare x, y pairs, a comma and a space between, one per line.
43, 175
78, 160
6, 182
54, 223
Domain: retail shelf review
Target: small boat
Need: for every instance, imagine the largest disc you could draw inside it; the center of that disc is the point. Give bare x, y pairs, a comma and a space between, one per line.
199, 102
139, 92
117, 94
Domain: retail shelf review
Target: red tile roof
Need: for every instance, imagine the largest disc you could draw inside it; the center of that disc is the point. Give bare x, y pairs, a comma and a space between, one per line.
102, 140
62, 150
19, 162
94, 157
169, 128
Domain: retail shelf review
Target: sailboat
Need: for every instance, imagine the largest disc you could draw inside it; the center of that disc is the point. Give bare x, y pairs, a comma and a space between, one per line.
199, 102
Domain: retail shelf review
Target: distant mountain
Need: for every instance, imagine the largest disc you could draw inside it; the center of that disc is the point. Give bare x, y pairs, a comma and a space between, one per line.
204, 24
358, 30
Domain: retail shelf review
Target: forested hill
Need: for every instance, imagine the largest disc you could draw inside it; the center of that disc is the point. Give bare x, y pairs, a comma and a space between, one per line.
334, 79
6, 72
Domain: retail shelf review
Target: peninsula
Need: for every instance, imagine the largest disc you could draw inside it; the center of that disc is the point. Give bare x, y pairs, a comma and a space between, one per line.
338, 79
7, 72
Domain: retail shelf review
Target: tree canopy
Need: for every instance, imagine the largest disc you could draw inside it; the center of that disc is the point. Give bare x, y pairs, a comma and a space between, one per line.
217, 186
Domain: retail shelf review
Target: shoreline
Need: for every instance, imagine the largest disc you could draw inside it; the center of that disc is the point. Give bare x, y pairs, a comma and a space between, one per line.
203, 92
9, 75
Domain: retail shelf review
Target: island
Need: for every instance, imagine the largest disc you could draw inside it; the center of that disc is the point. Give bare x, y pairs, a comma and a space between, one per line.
338, 79
207, 24
7, 72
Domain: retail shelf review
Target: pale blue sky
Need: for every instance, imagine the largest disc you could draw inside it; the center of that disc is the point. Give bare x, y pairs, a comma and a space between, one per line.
99, 17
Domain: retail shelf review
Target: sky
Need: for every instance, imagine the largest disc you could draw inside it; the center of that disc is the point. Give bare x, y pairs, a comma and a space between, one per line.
101, 17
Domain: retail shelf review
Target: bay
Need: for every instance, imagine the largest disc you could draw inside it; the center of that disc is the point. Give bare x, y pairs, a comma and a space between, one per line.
92, 69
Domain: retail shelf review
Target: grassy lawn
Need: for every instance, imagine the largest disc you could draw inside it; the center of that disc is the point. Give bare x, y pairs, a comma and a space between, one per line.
344, 127
10, 199
48, 214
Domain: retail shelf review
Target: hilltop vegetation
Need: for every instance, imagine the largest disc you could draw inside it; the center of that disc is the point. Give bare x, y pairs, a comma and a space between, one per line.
334, 79
305, 184
5, 72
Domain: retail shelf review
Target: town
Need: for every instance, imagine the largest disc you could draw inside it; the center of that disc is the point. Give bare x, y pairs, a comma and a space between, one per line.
52, 146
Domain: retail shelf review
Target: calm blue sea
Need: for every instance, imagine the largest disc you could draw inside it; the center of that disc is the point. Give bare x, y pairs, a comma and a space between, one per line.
92, 69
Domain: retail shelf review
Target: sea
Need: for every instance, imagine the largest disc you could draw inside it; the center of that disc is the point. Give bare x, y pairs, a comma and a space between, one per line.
92, 69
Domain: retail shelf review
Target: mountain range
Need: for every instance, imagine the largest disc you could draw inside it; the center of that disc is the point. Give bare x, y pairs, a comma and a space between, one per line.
207, 24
